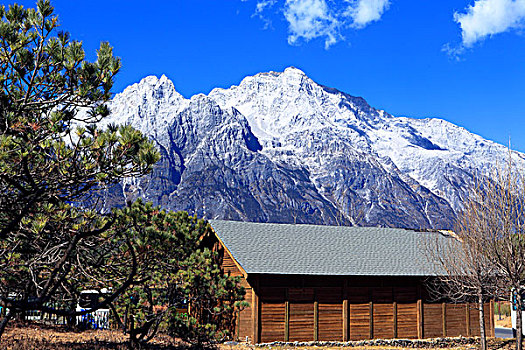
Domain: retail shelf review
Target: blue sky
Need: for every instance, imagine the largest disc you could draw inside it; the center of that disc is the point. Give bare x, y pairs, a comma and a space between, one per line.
463, 61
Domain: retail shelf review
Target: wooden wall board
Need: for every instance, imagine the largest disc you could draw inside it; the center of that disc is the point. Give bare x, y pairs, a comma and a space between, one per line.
382, 295
329, 295
405, 294
407, 320
301, 321
305, 281
230, 266
488, 326
272, 294
474, 320
358, 295
301, 294
359, 321
330, 321
432, 320
272, 322
244, 323
383, 320
456, 320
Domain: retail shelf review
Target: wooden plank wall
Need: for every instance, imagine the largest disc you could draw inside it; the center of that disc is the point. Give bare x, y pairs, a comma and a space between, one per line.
306, 314
229, 266
433, 320
272, 321
301, 321
330, 314
406, 320
359, 321
244, 322
383, 313
327, 312
474, 320
301, 314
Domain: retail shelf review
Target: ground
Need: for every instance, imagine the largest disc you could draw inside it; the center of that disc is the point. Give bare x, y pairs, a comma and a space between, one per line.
502, 314
505, 321
31, 336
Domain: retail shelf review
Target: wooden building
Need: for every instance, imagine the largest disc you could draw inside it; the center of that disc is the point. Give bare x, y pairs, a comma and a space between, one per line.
309, 282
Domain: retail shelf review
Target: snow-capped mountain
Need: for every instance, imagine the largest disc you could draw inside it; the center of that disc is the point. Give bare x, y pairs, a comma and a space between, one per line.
281, 148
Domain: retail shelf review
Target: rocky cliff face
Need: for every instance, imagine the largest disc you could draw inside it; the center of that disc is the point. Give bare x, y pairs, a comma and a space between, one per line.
281, 148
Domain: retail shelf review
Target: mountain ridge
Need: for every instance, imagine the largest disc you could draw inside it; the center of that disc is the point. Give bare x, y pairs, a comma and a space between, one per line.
279, 147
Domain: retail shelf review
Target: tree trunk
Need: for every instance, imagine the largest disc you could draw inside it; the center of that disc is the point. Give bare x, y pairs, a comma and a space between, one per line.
133, 342
482, 331
519, 321
4, 322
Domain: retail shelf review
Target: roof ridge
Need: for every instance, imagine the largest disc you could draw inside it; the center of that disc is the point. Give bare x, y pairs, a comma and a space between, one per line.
432, 230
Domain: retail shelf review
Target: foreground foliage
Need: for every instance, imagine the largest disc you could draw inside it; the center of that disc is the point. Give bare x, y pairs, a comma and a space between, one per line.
53, 159
179, 284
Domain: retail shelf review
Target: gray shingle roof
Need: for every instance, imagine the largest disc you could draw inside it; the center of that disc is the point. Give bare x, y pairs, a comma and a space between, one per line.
326, 250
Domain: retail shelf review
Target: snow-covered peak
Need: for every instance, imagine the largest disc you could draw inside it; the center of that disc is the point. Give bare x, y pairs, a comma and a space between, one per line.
154, 81
289, 111
294, 71
294, 76
285, 103
150, 80
148, 105
329, 135
150, 88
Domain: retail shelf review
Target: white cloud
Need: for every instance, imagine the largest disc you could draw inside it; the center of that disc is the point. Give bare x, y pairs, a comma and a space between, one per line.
489, 17
311, 19
364, 12
264, 4
261, 6
454, 52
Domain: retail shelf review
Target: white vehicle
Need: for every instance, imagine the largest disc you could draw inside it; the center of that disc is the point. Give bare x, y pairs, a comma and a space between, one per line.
513, 312
98, 319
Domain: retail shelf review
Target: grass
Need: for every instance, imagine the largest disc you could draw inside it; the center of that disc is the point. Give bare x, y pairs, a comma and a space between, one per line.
35, 336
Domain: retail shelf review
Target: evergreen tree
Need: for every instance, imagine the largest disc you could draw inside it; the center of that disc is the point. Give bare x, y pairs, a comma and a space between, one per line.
175, 270
53, 159
213, 298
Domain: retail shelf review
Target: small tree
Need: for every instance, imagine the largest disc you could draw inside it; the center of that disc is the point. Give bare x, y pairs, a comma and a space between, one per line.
49, 240
213, 297
160, 241
465, 273
490, 258
501, 222
173, 266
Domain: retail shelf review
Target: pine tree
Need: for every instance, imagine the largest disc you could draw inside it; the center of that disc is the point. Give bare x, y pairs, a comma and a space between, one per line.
175, 265
53, 159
